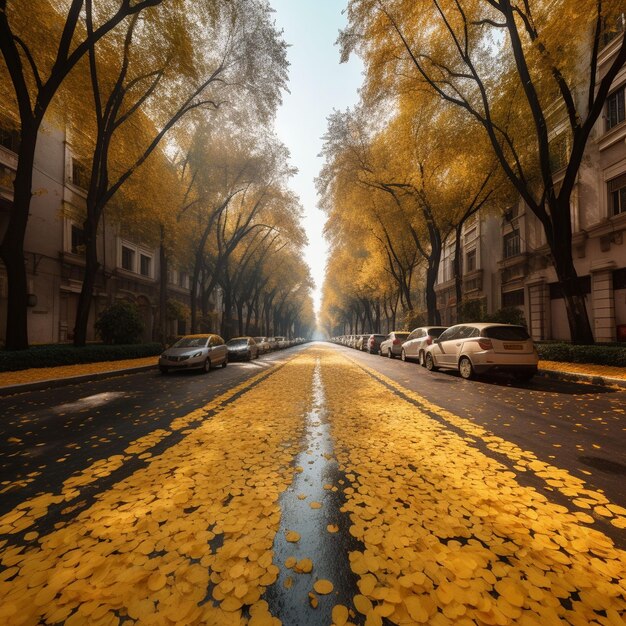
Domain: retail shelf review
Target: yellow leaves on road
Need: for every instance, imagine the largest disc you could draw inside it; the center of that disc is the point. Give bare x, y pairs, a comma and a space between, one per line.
449, 535
292, 536
569, 485
37, 374
199, 517
323, 587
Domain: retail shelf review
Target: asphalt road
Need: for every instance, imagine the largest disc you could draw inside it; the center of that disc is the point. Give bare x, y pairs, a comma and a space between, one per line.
63, 451
48, 435
578, 426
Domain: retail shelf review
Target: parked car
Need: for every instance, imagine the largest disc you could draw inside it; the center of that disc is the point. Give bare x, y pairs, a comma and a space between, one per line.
414, 348
392, 344
373, 343
194, 352
282, 342
262, 344
242, 349
475, 349
361, 342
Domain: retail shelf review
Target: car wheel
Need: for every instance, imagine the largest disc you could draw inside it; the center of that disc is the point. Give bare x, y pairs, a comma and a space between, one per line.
390, 354
225, 363
430, 363
465, 368
422, 359
207, 366
403, 355
164, 370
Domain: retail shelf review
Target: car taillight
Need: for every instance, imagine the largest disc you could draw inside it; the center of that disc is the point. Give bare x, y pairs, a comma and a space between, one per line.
485, 344
429, 340
396, 342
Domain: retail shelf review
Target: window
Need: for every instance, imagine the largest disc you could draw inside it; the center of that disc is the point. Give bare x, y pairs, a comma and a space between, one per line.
128, 259
145, 263
511, 244
559, 150
80, 174
470, 261
9, 137
513, 298
182, 279
615, 108
78, 240
617, 195
611, 29
619, 278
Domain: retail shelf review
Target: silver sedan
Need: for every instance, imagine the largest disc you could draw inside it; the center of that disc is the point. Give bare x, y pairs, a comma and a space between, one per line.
194, 352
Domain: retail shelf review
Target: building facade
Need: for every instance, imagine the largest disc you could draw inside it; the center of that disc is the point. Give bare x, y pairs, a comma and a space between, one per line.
506, 260
54, 250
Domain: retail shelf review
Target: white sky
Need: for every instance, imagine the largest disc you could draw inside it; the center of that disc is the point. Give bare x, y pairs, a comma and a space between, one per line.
318, 84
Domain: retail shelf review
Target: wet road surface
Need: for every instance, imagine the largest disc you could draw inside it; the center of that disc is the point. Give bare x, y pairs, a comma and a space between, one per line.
338, 488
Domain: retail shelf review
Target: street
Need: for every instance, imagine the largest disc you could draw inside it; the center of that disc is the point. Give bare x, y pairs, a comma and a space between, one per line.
316, 485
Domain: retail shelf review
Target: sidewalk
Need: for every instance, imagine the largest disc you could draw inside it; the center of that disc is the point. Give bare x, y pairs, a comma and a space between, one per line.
43, 377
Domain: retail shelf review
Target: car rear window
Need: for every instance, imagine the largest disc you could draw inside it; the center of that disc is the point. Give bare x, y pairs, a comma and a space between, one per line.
435, 332
401, 335
191, 342
507, 333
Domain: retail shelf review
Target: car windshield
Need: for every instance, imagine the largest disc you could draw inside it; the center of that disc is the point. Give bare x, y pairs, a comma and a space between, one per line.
259, 339
379, 336
401, 335
435, 332
507, 333
191, 342
237, 342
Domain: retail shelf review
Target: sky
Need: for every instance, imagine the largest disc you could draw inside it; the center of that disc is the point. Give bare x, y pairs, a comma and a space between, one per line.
318, 83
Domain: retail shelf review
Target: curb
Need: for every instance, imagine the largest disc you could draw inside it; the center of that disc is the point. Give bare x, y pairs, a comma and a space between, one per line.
604, 381
53, 383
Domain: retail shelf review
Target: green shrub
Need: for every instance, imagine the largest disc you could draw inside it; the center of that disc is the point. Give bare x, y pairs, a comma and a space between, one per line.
53, 355
471, 310
570, 353
119, 324
507, 315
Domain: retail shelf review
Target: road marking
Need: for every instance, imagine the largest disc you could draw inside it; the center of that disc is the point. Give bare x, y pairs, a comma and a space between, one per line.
33, 509
187, 537
571, 487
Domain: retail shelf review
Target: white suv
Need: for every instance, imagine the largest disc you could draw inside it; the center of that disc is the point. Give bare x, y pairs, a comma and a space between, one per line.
475, 349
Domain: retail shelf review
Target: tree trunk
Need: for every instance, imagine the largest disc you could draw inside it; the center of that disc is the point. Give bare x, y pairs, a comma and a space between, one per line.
89, 280
12, 246
457, 267
239, 304
162, 336
569, 283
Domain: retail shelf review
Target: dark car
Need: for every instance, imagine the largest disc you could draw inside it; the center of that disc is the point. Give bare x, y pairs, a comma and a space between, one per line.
242, 349
373, 343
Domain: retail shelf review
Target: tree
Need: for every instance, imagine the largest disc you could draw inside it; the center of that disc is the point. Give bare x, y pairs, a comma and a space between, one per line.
451, 46
189, 64
39, 49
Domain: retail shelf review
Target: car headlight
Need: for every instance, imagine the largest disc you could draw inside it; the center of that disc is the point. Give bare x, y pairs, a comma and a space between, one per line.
193, 356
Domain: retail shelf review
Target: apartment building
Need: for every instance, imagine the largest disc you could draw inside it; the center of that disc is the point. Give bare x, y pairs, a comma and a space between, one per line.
54, 249
506, 260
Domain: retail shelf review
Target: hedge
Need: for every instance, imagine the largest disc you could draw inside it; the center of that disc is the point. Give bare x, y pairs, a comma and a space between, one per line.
597, 354
63, 354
